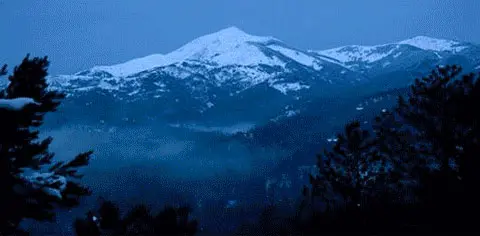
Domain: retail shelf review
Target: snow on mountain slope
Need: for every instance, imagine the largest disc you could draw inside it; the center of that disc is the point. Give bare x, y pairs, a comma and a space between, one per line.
133, 66
299, 57
227, 58
358, 53
348, 55
227, 47
230, 46
285, 87
233, 76
438, 45
234, 61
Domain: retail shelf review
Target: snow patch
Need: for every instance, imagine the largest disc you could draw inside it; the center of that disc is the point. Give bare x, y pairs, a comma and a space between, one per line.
298, 56
397, 54
353, 53
332, 140
108, 86
16, 104
85, 89
159, 84
134, 92
291, 113
50, 183
247, 75
285, 87
233, 129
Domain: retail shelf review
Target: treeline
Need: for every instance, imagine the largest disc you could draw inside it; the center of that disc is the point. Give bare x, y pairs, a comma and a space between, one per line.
412, 171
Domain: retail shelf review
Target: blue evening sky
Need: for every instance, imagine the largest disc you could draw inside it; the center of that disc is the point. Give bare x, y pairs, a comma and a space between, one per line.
78, 34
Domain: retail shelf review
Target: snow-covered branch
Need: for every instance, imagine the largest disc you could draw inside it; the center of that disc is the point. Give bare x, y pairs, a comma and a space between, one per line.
50, 183
16, 104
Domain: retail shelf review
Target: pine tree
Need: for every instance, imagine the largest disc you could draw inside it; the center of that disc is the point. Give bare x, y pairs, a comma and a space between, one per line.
442, 108
422, 161
354, 181
32, 185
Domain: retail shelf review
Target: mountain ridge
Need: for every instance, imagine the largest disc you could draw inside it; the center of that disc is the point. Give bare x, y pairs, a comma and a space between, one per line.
232, 75
231, 52
233, 36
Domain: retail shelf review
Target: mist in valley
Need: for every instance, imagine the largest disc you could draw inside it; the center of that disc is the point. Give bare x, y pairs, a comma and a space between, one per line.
160, 164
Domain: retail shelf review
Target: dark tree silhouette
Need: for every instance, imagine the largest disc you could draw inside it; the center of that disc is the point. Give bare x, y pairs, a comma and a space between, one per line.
415, 172
138, 221
442, 108
31, 183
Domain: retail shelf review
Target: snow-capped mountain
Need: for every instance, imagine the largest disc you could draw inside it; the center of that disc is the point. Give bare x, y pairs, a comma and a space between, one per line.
369, 54
231, 75
226, 75
227, 47
227, 56
378, 59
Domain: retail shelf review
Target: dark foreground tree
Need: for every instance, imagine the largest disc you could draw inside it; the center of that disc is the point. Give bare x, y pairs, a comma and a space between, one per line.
442, 108
416, 172
138, 221
32, 185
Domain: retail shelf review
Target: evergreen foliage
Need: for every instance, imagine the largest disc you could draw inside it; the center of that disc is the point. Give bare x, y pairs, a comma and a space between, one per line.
414, 173
32, 185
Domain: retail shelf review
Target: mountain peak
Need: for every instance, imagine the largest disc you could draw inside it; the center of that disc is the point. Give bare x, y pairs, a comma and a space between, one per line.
228, 46
230, 35
231, 31
433, 44
423, 38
